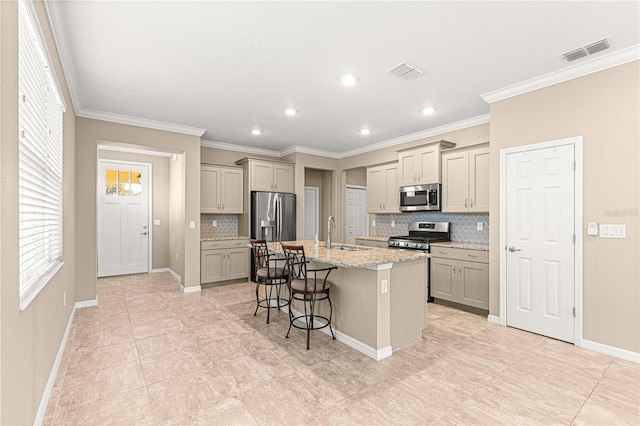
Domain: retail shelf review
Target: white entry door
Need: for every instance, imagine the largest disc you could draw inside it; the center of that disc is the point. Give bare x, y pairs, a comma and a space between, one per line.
311, 212
356, 213
540, 274
123, 218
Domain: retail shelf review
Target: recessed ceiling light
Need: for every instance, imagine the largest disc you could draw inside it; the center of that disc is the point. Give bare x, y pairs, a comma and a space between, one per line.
365, 131
349, 80
290, 111
428, 111
256, 132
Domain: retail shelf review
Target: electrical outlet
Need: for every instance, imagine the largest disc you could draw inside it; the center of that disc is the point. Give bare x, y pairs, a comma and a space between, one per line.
479, 226
393, 223
192, 224
64, 299
214, 223
384, 286
373, 223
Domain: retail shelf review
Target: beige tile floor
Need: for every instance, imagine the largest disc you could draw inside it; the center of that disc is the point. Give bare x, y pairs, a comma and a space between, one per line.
149, 354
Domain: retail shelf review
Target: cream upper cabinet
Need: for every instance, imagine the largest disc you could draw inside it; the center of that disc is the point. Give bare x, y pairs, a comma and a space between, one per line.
221, 189
465, 180
382, 189
270, 176
421, 165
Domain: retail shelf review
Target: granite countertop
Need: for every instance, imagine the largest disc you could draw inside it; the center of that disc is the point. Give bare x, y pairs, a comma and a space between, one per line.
367, 258
466, 246
372, 238
239, 237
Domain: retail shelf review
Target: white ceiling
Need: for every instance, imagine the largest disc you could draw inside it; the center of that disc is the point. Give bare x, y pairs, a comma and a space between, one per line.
228, 67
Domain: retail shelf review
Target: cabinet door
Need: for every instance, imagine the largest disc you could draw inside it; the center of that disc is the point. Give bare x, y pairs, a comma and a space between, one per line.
283, 178
209, 189
231, 191
374, 190
444, 279
238, 263
212, 266
428, 165
261, 176
391, 198
473, 284
407, 175
455, 182
479, 180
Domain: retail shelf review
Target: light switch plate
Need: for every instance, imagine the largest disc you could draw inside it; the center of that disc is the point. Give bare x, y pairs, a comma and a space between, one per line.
613, 231
592, 228
373, 223
393, 223
156, 222
214, 223
479, 226
192, 224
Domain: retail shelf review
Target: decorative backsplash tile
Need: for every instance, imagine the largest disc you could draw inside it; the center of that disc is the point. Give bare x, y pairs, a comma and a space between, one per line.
463, 225
227, 225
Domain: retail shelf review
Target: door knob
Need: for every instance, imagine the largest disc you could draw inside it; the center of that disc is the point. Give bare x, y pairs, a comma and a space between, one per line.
512, 249
144, 233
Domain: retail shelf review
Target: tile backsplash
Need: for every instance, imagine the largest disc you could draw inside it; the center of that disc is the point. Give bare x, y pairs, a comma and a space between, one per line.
463, 225
227, 225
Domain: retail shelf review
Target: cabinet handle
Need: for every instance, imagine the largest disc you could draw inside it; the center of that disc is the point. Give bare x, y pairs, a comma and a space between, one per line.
471, 203
218, 206
222, 206
473, 255
465, 203
442, 252
460, 271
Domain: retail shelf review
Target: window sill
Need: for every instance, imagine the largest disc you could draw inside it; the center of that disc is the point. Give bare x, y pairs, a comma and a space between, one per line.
30, 296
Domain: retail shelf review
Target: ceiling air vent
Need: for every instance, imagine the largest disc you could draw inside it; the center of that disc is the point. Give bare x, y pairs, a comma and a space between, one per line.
406, 71
589, 49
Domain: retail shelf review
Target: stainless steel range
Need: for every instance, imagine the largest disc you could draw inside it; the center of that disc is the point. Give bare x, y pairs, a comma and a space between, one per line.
421, 235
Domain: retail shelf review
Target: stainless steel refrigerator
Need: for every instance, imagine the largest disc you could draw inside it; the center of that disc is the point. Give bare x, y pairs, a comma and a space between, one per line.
273, 216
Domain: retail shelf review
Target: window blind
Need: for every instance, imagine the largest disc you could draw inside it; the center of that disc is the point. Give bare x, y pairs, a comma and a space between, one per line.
39, 161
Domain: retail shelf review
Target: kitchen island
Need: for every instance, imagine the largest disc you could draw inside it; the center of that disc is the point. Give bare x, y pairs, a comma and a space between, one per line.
378, 295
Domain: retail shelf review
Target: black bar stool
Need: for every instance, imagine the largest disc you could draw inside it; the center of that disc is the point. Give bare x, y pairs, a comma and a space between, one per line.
272, 273
308, 286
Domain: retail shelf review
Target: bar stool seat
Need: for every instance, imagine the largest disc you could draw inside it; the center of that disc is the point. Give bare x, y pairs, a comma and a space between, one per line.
271, 273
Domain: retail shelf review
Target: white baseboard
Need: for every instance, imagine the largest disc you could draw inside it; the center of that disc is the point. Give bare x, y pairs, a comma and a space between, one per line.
192, 289
494, 319
44, 401
176, 276
611, 350
86, 303
367, 350
159, 270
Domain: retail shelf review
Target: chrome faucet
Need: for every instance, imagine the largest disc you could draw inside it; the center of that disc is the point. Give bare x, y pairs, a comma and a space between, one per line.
331, 222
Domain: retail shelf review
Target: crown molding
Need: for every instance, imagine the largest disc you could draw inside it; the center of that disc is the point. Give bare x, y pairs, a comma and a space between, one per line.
458, 125
312, 151
591, 66
140, 122
239, 148
65, 59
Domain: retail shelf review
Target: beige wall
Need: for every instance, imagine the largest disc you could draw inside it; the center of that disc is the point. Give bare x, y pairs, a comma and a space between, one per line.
29, 340
604, 109
357, 176
177, 213
160, 200
92, 132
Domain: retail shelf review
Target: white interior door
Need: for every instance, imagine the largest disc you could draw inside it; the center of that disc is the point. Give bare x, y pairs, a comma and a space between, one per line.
356, 213
311, 212
540, 266
123, 218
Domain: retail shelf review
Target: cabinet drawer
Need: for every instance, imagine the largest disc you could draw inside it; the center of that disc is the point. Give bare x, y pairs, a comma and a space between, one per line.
223, 244
461, 254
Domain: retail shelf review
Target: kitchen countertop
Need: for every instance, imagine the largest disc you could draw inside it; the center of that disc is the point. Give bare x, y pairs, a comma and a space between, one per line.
367, 258
466, 246
239, 237
372, 238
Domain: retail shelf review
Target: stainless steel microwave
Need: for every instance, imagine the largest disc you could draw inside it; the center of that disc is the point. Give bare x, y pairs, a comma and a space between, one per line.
420, 198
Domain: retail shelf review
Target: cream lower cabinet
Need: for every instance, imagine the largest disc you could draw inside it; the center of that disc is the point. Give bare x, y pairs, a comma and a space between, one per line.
465, 180
383, 195
223, 260
460, 276
221, 189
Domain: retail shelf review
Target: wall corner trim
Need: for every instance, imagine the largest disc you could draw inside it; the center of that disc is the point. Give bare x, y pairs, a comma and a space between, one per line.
611, 350
600, 63
46, 394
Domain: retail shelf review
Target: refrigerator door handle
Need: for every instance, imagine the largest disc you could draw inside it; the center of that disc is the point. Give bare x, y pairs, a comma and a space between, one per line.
279, 213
